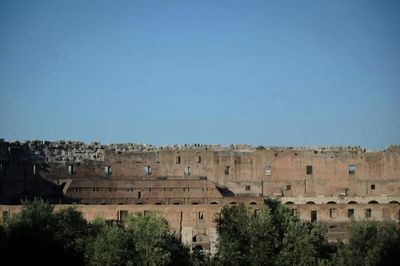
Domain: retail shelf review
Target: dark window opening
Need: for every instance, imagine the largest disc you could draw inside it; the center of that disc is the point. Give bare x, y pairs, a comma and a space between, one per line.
198, 159
5, 216
248, 188
352, 169
139, 194
373, 187
178, 160
350, 213
226, 170
313, 216
122, 214
201, 216
288, 187
368, 213
309, 170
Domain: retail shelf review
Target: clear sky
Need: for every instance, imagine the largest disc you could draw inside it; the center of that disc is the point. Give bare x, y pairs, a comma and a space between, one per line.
299, 73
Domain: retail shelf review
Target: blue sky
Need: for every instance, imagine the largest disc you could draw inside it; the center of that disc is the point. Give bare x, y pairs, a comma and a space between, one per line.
299, 73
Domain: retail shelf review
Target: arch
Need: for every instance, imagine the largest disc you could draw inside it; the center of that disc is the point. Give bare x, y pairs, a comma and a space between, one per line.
331, 202
394, 202
213, 203
233, 203
198, 248
139, 203
373, 202
159, 203
253, 203
352, 202
176, 203
200, 238
195, 203
310, 202
288, 203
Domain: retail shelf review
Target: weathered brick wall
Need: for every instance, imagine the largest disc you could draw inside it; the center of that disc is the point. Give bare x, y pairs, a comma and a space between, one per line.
376, 173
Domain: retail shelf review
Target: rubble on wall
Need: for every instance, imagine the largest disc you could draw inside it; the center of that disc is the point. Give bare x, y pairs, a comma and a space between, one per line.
76, 151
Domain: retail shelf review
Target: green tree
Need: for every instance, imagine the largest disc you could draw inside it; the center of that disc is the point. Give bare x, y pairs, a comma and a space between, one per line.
233, 235
113, 247
303, 244
30, 237
370, 243
72, 230
155, 244
269, 236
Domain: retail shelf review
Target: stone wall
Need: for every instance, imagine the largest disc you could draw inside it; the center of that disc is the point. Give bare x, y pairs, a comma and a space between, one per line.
195, 224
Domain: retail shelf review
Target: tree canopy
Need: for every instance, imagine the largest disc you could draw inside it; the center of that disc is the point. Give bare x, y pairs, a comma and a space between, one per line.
269, 235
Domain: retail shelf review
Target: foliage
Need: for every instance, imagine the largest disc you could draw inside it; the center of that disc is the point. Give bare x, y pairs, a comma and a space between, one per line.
154, 242
113, 247
43, 237
370, 243
270, 236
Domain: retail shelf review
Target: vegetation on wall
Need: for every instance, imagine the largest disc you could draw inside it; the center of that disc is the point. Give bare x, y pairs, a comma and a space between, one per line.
271, 235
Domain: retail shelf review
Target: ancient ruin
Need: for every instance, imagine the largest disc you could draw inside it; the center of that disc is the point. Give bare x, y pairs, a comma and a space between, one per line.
189, 184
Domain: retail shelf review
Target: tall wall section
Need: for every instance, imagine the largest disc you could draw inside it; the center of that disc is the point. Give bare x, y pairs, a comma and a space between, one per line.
241, 169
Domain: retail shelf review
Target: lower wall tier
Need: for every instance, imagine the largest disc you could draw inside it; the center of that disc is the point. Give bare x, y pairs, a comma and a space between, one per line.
195, 224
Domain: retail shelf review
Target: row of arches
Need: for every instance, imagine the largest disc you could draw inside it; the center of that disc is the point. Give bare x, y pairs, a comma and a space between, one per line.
350, 202
198, 203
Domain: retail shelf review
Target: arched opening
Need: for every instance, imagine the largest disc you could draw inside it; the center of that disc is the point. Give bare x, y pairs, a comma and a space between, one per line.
352, 202
159, 203
394, 202
139, 203
373, 202
253, 203
233, 203
198, 248
288, 203
176, 203
331, 202
195, 203
310, 202
203, 238
213, 203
